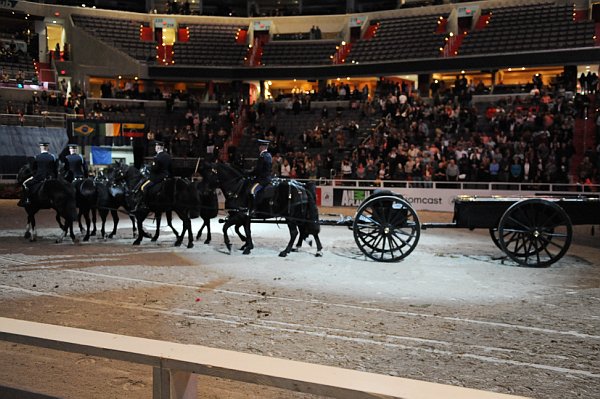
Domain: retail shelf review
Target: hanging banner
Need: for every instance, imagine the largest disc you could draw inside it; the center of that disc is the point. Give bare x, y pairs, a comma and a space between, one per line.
133, 130
101, 155
84, 129
110, 129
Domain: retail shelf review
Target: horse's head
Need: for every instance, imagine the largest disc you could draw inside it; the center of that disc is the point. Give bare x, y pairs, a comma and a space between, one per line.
209, 175
25, 173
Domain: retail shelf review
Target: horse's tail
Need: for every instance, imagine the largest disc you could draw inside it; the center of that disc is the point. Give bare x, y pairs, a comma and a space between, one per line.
312, 211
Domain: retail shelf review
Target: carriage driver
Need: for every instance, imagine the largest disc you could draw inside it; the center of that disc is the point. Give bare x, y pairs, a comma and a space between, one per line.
160, 170
262, 172
75, 167
45, 166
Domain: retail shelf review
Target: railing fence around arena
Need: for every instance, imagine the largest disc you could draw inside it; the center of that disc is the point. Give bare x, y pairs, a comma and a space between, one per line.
176, 366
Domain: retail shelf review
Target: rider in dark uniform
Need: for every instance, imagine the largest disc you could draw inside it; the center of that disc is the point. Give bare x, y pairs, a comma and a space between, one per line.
76, 167
262, 172
45, 166
160, 170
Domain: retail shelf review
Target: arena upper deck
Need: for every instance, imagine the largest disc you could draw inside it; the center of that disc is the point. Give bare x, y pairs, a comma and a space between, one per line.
390, 42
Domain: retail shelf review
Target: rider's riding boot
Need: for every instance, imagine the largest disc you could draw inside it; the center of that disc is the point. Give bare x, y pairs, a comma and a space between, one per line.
140, 202
24, 200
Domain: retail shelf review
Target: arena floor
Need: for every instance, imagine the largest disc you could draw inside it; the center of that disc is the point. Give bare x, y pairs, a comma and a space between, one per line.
453, 312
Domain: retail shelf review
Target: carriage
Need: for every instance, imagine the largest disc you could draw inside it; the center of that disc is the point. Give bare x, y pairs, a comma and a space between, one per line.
532, 231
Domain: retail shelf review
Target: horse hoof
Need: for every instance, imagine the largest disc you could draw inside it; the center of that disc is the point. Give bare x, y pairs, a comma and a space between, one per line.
246, 251
207, 241
282, 254
198, 237
228, 247
319, 254
177, 244
75, 240
86, 239
136, 243
190, 245
110, 235
154, 239
58, 241
27, 234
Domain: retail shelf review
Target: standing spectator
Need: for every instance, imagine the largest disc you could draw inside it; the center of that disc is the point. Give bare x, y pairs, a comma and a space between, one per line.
452, 170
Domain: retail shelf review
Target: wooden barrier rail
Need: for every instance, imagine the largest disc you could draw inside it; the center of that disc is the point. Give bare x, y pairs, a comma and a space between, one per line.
176, 366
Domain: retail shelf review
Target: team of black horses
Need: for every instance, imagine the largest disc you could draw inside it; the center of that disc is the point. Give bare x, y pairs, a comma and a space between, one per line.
114, 191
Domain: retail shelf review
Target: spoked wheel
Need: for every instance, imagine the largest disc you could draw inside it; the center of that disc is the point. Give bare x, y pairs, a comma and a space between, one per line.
386, 228
494, 235
535, 232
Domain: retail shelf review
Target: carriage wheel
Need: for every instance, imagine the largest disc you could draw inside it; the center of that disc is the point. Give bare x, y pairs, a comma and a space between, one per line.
535, 232
494, 235
386, 228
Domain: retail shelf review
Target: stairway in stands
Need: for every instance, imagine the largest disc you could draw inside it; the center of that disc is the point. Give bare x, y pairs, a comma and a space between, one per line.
584, 135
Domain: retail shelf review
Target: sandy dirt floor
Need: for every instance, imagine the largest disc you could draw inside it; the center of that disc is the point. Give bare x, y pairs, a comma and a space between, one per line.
455, 311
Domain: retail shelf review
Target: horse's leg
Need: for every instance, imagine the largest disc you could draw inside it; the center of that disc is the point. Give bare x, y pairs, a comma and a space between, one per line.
86, 216
226, 226
69, 226
204, 224
133, 225
170, 224
240, 235
115, 217
208, 234
79, 215
158, 216
139, 219
179, 238
319, 246
93, 232
27, 228
293, 228
249, 246
63, 228
187, 225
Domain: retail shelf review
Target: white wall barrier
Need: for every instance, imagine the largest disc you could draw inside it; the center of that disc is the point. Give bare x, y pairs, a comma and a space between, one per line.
175, 366
439, 196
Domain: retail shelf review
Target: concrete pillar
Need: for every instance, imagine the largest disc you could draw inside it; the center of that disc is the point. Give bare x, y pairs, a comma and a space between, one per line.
173, 384
424, 80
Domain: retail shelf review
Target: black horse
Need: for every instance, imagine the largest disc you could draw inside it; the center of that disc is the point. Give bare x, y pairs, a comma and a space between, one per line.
287, 199
171, 195
209, 207
113, 192
86, 197
57, 194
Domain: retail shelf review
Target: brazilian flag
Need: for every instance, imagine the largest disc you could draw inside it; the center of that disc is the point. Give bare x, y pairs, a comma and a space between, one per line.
84, 129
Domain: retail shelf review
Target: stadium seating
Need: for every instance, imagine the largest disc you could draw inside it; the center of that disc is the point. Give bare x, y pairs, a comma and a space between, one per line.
301, 52
526, 28
122, 34
211, 44
401, 38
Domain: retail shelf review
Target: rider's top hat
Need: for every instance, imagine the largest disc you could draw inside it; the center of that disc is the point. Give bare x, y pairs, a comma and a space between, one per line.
73, 145
44, 144
160, 143
262, 142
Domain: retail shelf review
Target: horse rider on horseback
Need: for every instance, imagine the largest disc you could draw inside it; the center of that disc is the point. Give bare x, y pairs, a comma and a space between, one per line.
261, 172
45, 166
75, 167
160, 170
